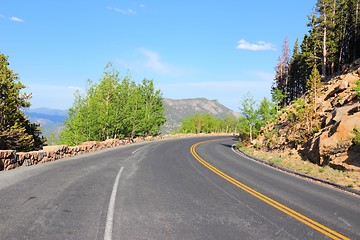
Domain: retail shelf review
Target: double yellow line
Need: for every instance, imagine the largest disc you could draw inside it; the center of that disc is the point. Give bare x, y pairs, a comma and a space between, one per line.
298, 216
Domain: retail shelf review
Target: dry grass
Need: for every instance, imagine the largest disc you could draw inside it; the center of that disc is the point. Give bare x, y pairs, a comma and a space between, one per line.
292, 160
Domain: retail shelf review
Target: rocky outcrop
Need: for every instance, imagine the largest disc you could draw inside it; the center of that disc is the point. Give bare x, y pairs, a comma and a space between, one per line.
333, 145
337, 115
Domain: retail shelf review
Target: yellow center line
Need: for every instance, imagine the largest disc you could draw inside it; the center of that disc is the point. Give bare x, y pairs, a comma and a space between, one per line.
298, 216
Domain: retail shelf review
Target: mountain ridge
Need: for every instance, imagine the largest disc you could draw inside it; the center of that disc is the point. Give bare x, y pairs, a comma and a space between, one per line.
52, 120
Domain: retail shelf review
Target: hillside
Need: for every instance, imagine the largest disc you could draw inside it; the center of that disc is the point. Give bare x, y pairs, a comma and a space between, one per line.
51, 120
177, 110
325, 137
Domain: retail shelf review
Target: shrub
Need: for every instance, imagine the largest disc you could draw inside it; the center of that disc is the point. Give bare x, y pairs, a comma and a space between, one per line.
357, 88
356, 139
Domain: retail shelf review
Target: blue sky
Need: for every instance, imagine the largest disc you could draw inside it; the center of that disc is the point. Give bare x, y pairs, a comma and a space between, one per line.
213, 49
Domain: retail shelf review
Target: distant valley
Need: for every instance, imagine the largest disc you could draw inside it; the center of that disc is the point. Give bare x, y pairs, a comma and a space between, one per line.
52, 120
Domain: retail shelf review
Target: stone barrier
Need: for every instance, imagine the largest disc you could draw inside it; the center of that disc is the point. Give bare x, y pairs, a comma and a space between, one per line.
10, 159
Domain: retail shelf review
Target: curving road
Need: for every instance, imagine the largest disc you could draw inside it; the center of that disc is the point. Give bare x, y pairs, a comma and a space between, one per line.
177, 189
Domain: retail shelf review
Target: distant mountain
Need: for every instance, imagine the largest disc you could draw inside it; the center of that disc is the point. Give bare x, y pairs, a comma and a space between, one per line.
52, 120
177, 110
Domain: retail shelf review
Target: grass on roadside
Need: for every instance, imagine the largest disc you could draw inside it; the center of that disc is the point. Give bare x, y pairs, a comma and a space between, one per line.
295, 162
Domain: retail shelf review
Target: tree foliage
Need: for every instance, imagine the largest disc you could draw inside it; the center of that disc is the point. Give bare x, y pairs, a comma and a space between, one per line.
313, 85
356, 138
206, 123
254, 116
16, 131
357, 88
114, 108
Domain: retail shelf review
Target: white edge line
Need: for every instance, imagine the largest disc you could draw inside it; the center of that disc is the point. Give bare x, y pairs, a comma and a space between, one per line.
136, 151
110, 213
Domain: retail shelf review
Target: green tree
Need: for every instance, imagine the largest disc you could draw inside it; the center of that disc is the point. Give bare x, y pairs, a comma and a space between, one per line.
357, 88
116, 107
206, 123
150, 110
314, 85
278, 97
16, 131
266, 111
230, 123
249, 113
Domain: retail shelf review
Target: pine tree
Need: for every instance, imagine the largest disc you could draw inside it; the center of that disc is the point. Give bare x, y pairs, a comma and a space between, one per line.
314, 85
16, 131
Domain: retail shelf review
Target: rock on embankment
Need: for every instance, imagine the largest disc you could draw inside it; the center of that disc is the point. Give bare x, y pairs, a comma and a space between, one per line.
340, 107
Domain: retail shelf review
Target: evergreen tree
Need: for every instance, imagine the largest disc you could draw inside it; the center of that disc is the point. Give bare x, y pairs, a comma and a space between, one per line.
277, 97
16, 131
314, 85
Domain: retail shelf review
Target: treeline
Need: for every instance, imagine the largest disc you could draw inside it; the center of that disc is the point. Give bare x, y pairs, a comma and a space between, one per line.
332, 43
253, 117
114, 108
206, 123
16, 131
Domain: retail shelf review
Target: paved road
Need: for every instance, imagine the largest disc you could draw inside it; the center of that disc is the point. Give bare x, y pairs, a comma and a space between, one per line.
170, 190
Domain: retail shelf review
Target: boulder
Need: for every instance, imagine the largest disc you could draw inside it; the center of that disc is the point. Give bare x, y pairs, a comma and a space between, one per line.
339, 140
340, 112
351, 78
343, 86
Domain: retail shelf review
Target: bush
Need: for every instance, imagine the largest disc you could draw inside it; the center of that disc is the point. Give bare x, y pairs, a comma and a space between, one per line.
357, 88
356, 139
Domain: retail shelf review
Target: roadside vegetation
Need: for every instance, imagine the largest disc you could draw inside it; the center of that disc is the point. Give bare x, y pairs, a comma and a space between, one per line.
248, 125
206, 123
357, 88
296, 162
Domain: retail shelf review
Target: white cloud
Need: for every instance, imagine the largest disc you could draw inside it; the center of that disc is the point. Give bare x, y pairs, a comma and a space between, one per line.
154, 63
150, 61
2, 16
128, 11
259, 46
16, 19
142, 5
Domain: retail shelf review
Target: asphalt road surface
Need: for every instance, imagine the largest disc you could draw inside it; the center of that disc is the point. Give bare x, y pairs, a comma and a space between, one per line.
177, 189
